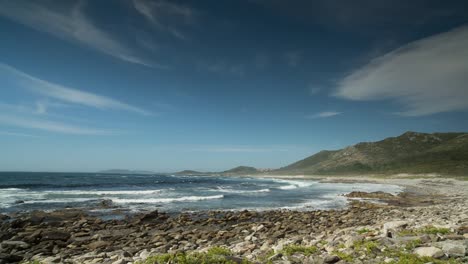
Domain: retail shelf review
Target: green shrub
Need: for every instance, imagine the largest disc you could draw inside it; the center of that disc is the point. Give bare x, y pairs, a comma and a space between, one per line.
292, 249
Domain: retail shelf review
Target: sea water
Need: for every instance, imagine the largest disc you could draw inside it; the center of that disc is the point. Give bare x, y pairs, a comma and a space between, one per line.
22, 191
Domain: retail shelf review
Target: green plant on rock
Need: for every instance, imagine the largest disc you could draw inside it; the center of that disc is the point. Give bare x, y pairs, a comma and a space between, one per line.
364, 231
215, 255
343, 256
428, 230
413, 244
406, 258
367, 246
292, 249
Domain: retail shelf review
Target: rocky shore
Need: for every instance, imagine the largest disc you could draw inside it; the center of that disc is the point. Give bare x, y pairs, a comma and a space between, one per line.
426, 223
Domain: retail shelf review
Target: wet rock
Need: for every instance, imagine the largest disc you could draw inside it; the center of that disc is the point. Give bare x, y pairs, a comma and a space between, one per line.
432, 252
106, 203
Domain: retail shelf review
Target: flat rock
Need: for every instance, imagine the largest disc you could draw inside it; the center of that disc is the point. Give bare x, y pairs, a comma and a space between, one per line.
453, 248
432, 252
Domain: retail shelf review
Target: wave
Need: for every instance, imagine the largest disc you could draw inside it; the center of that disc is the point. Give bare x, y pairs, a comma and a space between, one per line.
294, 184
168, 200
96, 192
61, 200
226, 190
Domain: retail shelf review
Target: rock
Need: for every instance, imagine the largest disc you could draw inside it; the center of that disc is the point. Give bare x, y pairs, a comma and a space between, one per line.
144, 254
52, 259
10, 258
432, 252
453, 237
453, 248
106, 203
120, 261
14, 244
55, 235
275, 257
350, 240
389, 228
331, 259
19, 202
98, 244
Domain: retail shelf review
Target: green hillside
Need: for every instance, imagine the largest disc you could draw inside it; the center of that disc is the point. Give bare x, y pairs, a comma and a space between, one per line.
411, 152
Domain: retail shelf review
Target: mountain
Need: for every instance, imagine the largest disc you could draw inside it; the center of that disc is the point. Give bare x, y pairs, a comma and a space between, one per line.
411, 152
118, 171
241, 170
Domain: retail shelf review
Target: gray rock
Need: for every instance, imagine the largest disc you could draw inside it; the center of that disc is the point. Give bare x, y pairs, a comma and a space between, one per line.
432, 252
14, 244
331, 259
389, 228
453, 248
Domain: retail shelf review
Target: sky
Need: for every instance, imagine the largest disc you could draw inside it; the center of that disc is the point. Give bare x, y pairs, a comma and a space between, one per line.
209, 85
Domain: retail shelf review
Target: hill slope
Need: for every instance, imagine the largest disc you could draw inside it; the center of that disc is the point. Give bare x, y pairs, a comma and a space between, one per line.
411, 152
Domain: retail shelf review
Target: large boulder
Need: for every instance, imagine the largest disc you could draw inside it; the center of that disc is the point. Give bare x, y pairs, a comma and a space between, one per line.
432, 252
453, 248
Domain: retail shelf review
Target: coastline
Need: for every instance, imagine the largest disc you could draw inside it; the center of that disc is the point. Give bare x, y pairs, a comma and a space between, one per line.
72, 236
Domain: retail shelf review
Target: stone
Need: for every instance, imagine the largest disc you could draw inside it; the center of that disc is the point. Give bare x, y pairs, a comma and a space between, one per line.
52, 259
453, 248
389, 228
331, 259
14, 244
55, 235
432, 252
98, 244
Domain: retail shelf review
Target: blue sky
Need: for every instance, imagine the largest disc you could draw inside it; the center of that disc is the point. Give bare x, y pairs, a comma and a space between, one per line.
209, 85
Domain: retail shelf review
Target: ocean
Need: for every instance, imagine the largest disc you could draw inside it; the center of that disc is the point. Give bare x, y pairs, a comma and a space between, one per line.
24, 191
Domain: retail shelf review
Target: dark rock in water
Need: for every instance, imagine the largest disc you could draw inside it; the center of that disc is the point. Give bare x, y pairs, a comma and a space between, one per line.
55, 235
19, 202
106, 203
4, 217
370, 195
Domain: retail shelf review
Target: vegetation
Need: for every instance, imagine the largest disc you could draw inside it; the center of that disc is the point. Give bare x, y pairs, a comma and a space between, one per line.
292, 249
411, 152
215, 255
364, 231
425, 230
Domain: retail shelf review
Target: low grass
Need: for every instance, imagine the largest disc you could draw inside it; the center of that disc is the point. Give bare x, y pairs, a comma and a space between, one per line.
215, 255
343, 256
292, 249
364, 231
407, 258
367, 246
426, 230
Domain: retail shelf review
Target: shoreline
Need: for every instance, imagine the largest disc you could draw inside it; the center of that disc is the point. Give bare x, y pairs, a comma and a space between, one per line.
73, 236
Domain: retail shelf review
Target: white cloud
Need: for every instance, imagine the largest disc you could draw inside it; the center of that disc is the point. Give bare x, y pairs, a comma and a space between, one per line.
69, 24
50, 126
66, 94
427, 76
324, 114
164, 15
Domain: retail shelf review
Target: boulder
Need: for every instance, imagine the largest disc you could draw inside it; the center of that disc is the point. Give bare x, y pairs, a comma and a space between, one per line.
432, 252
331, 259
390, 228
453, 248
98, 244
14, 244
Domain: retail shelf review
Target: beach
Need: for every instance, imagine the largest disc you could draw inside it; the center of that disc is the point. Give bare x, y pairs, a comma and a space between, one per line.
429, 216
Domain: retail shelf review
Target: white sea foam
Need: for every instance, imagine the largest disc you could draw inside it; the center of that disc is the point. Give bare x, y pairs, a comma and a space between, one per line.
227, 190
168, 200
96, 192
294, 184
61, 200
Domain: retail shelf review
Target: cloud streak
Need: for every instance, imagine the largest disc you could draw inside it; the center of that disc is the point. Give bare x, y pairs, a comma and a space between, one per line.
324, 114
45, 125
72, 25
427, 76
164, 14
66, 94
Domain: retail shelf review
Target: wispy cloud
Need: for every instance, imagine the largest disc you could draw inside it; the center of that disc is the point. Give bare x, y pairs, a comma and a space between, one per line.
70, 24
64, 93
165, 15
15, 134
324, 114
46, 125
221, 66
426, 76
